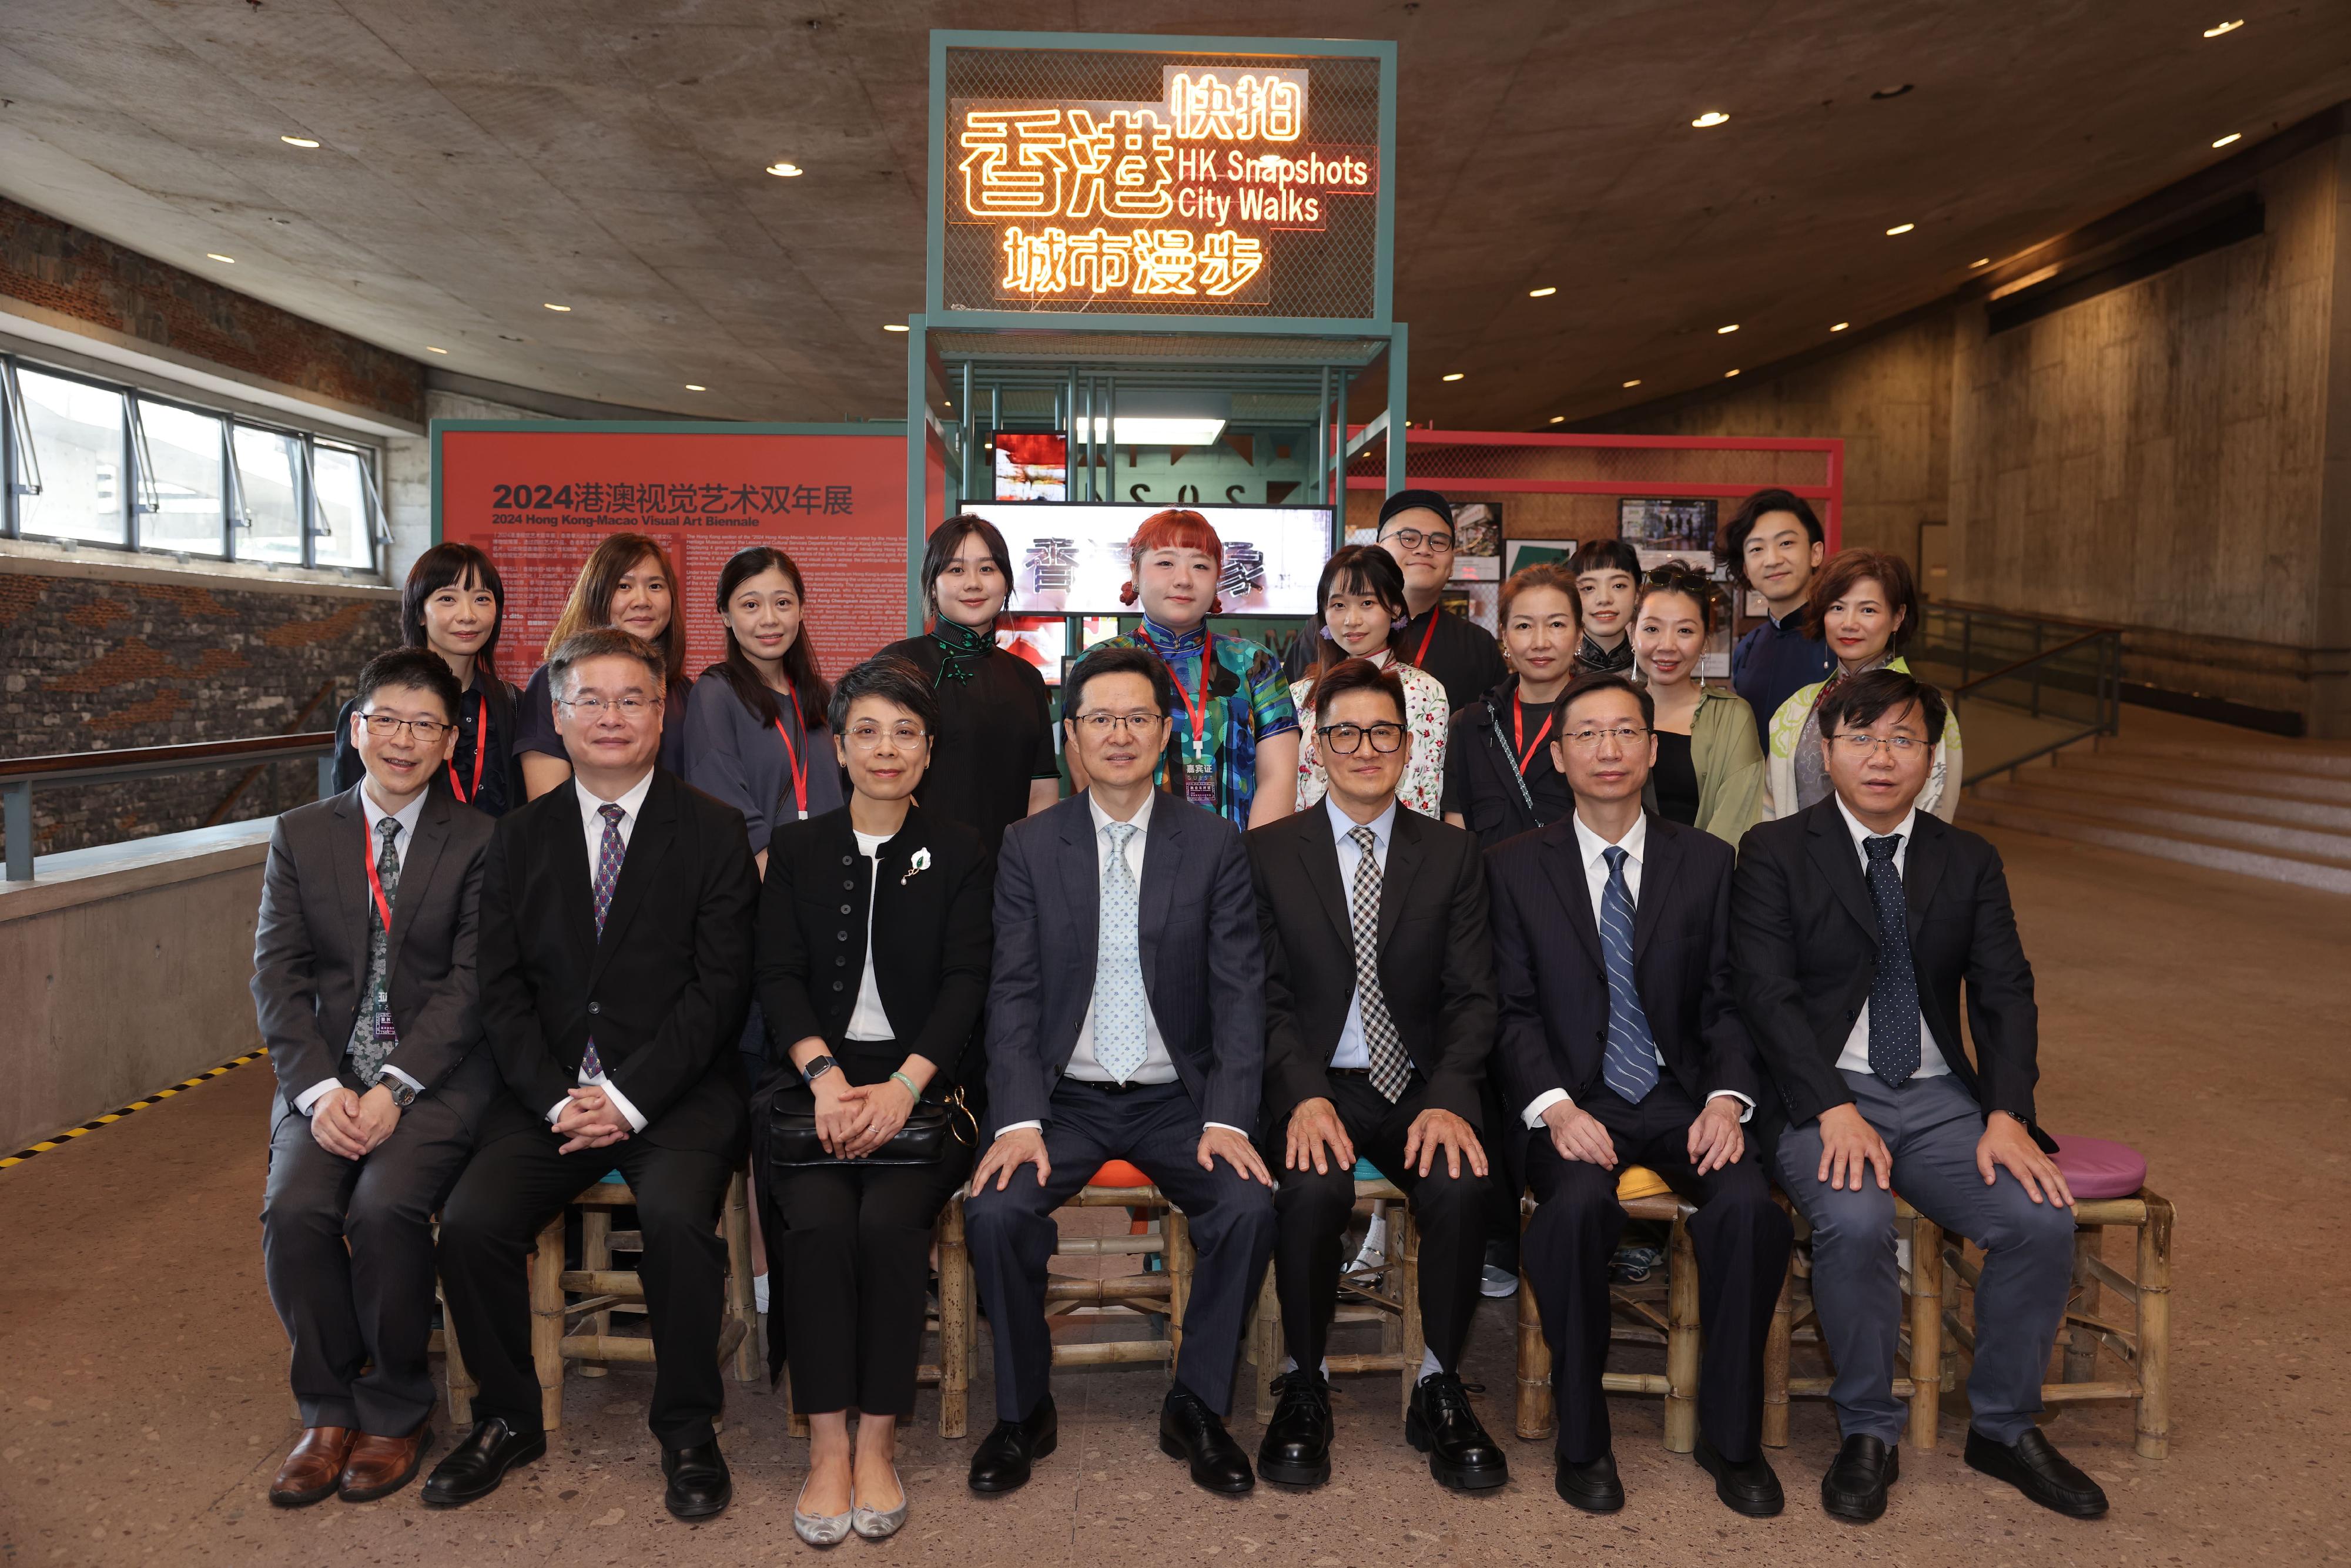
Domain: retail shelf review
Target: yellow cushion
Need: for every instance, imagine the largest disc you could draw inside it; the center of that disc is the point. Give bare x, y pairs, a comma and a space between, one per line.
1640, 1181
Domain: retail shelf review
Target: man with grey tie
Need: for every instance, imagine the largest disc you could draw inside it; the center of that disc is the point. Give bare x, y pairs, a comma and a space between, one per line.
1854, 924
1125, 1020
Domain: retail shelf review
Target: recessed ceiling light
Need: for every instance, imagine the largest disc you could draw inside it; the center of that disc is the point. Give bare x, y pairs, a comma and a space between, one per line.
298, 142
1980, 261
215, 256
1840, 325
1453, 375
432, 348
1541, 293
1559, 419
696, 386
2224, 27
1710, 118
1719, 331
786, 170
1899, 229
559, 309
1728, 374
1633, 382
894, 327
2232, 136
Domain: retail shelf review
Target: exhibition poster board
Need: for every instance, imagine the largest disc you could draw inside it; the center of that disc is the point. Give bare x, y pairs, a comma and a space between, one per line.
538, 497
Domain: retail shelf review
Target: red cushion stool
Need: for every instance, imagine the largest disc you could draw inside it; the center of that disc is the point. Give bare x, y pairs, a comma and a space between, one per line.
2100, 1168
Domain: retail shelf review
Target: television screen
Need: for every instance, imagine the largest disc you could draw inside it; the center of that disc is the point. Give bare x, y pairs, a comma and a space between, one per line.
1071, 559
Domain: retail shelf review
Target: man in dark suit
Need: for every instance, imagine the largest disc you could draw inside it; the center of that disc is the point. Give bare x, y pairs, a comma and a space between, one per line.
1853, 923
1379, 1014
363, 983
1125, 1020
1622, 1045
616, 914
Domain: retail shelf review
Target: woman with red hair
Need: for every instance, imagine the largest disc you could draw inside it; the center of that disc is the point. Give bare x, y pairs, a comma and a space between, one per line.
1234, 728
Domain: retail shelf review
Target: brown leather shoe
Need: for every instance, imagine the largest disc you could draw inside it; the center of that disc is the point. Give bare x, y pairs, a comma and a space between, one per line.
380, 1467
312, 1470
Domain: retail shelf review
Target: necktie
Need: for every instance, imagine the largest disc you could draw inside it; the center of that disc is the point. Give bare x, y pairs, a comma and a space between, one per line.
1119, 1003
1391, 1065
373, 1039
608, 872
1630, 1065
1893, 993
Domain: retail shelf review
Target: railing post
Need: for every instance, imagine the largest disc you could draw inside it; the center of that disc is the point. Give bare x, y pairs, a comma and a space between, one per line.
326, 790
16, 819
1967, 646
2036, 670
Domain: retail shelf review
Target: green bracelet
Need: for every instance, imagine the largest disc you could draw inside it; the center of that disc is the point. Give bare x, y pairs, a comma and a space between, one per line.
909, 1083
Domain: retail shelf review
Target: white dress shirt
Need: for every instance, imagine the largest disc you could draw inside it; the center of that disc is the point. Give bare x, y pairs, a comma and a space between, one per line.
591, 822
1594, 851
867, 1020
1854, 1058
1353, 1050
1159, 1067
407, 817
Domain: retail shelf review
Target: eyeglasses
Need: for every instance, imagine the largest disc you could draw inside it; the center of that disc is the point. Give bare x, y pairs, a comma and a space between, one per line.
1413, 539
1857, 745
593, 708
866, 736
384, 726
1139, 723
1347, 738
1623, 735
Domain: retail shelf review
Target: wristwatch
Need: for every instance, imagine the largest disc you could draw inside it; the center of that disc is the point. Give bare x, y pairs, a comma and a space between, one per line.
403, 1093
816, 1068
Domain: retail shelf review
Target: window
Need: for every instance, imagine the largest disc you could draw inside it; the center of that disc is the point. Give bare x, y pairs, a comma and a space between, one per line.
91, 461
78, 451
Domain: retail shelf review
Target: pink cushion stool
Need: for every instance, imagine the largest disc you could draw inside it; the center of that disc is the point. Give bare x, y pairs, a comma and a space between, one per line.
2100, 1168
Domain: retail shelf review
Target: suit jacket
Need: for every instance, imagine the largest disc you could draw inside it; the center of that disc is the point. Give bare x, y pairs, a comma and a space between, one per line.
1804, 954
311, 947
1435, 966
933, 940
663, 992
1203, 965
1554, 981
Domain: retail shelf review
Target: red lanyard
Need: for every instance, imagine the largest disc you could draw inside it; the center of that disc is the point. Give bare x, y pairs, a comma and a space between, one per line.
481, 747
1198, 711
1427, 637
1519, 728
375, 884
792, 756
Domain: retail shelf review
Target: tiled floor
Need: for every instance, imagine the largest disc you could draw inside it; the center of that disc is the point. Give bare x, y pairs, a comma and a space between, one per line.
2199, 1016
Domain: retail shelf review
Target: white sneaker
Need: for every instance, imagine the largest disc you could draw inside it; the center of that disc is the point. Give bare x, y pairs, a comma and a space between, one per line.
759, 1293
1372, 1256
1496, 1284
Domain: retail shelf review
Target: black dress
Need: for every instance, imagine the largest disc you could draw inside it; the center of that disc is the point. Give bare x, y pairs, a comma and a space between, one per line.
996, 736
1483, 780
1675, 779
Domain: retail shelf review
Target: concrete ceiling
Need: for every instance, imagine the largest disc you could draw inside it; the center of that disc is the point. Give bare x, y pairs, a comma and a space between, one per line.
479, 161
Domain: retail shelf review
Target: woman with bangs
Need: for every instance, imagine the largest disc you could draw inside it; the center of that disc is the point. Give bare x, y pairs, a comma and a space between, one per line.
454, 604
1235, 727
1360, 601
626, 582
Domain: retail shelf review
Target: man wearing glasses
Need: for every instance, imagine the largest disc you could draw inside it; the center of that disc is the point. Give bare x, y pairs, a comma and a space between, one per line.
1622, 1045
1416, 528
1125, 1021
615, 963
1379, 1015
363, 980
1853, 923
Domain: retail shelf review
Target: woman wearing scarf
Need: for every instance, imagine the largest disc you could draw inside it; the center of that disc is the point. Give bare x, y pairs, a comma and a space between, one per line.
994, 762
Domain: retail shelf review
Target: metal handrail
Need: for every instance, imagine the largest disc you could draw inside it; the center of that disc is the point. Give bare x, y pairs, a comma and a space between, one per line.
19, 775
2009, 669
2108, 695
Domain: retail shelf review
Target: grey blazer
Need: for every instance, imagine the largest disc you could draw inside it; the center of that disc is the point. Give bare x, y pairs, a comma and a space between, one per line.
1203, 961
310, 950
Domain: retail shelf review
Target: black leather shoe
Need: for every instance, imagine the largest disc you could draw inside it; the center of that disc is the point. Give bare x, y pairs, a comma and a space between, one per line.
1748, 1487
2034, 1466
1591, 1486
1190, 1431
1855, 1488
480, 1461
1440, 1423
1008, 1451
699, 1485
1297, 1447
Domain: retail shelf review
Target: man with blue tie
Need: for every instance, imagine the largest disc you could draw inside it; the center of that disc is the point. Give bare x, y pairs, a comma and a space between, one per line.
1125, 1020
1622, 1045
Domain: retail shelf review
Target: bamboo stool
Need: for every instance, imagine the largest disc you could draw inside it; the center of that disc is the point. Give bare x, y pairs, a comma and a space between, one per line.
951, 1374
604, 1290
1676, 1328
1392, 1301
458, 1383
1794, 1321
1119, 1185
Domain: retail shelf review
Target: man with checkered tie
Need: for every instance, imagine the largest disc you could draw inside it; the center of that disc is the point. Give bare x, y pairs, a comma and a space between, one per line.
1379, 1018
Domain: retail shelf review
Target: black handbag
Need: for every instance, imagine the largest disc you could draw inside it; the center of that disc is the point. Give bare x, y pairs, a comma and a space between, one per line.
923, 1141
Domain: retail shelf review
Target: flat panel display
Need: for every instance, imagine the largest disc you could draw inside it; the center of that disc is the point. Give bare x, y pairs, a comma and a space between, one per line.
1071, 559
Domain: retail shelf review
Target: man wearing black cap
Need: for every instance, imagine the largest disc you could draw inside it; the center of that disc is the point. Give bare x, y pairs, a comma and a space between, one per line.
1416, 528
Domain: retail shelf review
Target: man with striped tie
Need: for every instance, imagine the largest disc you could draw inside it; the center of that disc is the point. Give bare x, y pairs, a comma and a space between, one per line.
615, 968
1620, 1045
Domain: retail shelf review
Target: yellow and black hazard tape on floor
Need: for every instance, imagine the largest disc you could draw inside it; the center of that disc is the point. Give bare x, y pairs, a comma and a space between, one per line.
157, 1098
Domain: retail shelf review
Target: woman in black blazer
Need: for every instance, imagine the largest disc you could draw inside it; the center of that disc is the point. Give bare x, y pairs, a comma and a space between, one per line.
875, 935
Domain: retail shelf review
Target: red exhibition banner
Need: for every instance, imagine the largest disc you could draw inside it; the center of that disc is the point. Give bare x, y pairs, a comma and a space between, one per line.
538, 497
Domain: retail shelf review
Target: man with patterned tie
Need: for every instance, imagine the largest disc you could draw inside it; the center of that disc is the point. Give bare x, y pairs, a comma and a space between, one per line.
617, 917
1379, 1016
363, 979
1854, 924
1126, 1021
1620, 1045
